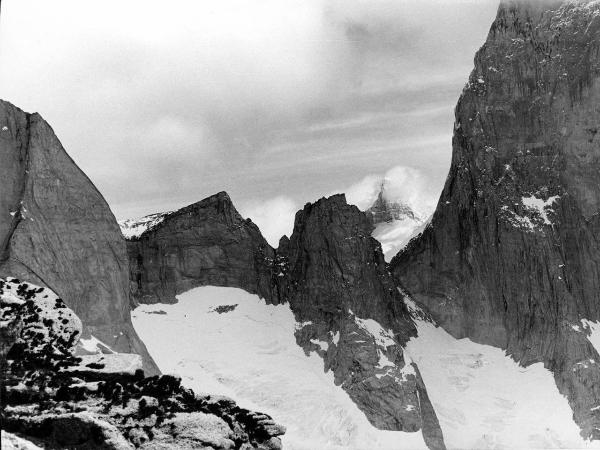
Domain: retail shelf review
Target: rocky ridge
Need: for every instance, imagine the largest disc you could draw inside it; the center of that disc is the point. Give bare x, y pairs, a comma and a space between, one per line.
59, 400
511, 257
206, 243
57, 230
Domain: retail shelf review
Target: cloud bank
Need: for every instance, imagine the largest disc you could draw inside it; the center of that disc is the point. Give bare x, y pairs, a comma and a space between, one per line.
165, 104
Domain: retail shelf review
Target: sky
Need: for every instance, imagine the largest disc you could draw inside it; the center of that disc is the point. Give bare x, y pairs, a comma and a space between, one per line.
277, 102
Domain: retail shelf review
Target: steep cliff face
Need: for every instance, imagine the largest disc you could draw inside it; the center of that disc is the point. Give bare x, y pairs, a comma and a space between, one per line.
337, 283
57, 230
511, 256
207, 243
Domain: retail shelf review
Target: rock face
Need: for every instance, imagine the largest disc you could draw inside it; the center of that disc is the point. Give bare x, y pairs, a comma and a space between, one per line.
207, 243
511, 257
338, 285
105, 401
57, 230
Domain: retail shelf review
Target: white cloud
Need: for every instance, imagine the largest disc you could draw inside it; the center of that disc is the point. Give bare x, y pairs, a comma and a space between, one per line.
274, 217
402, 184
169, 103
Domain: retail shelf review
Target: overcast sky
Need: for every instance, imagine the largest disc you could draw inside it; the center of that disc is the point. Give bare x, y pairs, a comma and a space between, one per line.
277, 102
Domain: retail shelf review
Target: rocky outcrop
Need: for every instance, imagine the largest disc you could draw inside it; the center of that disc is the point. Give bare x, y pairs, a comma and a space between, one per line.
337, 283
57, 230
59, 400
207, 243
511, 257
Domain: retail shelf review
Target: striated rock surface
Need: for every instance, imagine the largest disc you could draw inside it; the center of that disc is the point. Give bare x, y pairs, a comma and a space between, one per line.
206, 243
59, 400
511, 257
57, 230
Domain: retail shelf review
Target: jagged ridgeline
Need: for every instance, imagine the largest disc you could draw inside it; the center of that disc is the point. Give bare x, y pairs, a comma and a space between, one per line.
511, 257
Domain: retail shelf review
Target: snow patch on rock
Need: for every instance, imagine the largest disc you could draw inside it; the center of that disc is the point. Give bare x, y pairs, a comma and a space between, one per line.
542, 207
134, 228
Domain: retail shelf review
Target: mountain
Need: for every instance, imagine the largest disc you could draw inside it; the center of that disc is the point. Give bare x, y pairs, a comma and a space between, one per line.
331, 275
56, 230
206, 243
395, 223
511, 255
347, 361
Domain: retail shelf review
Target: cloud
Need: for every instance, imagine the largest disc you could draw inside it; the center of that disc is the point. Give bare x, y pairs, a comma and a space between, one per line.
172, 103
401, 184
274, 217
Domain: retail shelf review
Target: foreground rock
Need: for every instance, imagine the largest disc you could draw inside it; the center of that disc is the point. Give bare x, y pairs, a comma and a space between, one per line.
511, 256
57, 230
59, 400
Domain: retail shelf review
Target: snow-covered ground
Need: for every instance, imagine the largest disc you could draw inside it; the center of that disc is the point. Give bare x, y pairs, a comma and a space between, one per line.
485, 400
251, 355
12, 442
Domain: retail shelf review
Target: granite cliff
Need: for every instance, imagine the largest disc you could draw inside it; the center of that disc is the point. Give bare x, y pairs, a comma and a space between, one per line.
511, 256
57, 230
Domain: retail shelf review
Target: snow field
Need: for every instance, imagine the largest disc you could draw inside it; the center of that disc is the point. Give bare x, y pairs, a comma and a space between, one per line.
250, 354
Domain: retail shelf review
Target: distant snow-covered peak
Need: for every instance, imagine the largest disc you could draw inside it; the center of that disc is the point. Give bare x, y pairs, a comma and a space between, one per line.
396, 222
134, 228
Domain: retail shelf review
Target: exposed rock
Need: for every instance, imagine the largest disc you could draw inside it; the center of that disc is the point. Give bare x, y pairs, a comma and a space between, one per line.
511, 256
207, 243
57, 230
340, 290
59, 400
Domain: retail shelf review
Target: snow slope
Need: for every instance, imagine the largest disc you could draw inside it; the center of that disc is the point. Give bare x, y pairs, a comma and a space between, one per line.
250, 354
133, 228
13, 442
485, 400
393, 236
